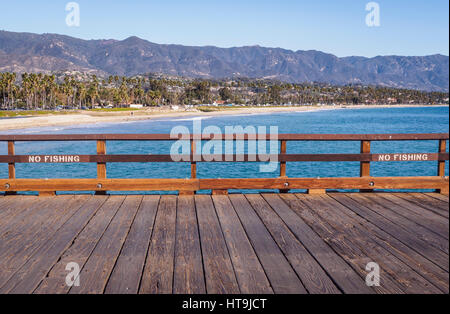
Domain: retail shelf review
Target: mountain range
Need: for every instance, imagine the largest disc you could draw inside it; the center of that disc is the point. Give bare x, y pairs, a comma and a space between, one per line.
27, 52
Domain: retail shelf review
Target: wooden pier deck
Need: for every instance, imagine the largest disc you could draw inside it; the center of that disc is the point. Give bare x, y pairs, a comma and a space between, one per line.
225, 244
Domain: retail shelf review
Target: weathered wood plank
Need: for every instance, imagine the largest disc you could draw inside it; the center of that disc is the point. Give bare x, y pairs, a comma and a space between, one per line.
21, 212
188, 276
435, 221
313, 277
28, 277
343, 275
433, 230
17, 247
397, 226
12, 207
428, 203
245, 136
223, 184
5, 202
336, 215
249, 272
424, 234
127, 272
438, 196
352, 254
428, 196
81, 249
159, 267
410, 249
282, 277
219, 273
95, 273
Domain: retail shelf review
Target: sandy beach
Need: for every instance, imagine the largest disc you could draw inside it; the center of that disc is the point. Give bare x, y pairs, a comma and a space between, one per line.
25, 122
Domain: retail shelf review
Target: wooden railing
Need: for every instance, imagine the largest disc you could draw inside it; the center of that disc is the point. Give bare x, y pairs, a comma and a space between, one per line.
101, 184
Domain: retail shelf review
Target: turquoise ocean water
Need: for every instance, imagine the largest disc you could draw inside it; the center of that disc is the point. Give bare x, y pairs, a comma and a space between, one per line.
371, 120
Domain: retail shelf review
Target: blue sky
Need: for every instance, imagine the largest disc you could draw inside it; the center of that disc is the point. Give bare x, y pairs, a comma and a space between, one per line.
336, 26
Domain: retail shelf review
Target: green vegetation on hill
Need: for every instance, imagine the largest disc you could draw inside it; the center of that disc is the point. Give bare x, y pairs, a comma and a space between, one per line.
42, 92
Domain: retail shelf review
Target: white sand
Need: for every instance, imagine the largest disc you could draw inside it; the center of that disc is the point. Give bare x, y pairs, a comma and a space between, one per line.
102, 117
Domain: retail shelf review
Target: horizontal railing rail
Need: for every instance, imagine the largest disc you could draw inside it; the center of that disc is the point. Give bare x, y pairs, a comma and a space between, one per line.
101, 184
168, 137
223, 158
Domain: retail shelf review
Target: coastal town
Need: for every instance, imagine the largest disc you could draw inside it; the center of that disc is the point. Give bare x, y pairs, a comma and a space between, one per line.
80, 91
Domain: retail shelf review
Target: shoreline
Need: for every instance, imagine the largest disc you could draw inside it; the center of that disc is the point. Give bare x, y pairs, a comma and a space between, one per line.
91, 118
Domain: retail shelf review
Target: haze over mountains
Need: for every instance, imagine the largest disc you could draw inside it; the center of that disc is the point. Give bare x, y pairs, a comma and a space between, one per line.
26, 52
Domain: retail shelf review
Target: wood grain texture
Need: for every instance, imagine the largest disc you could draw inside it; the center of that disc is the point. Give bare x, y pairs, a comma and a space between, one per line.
388, 212
81, 248
188, 277
249, 272
219, 273
127, 273
388, 183
97, 269
399, 272
400, 242
159, 267
282, 277
342, 274
258, 244
336, 239
429, 220
34, 233
311, 274
28, 277
168, 137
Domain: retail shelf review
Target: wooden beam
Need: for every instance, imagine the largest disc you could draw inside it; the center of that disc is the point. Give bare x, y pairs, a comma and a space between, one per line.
387, 183
193, 163
47, 193
101, 166
317, 191
282, 158
12, 165
186, 193
441, 166
99, 185
168, 137
283, 150
219, 192
364, 167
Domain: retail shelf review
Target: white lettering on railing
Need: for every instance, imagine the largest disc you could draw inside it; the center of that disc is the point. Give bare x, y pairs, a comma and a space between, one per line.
54, 159
404, 157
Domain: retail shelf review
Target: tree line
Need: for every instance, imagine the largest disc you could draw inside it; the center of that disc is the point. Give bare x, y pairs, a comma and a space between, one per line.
32, 91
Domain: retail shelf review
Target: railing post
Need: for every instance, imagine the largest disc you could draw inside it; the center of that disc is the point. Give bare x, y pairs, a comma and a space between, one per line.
101, 166
283, 150
193, 163
365, 165
441, 165
12, 165
193, 169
